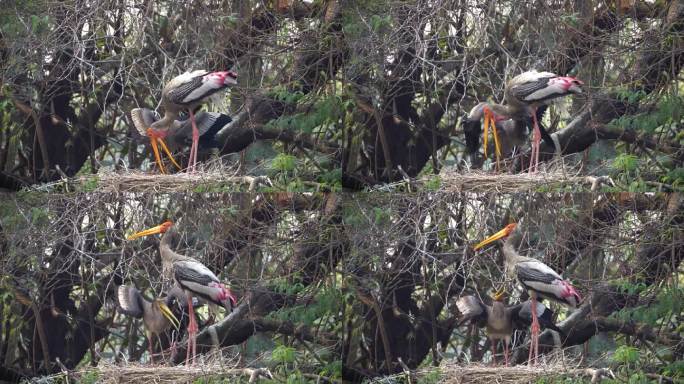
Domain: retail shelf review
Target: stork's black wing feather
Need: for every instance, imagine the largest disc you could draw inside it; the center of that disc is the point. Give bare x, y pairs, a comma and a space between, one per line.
188, 274
178, 94
522, 91
472, 129
130, 301
522, 316
472, 309
208, 140
527, 271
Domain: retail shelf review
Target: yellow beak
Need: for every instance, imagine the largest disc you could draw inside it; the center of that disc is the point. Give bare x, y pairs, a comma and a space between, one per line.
489, 120
166, 311
156, 142
147, 232
168, 153
501, 234
498, 295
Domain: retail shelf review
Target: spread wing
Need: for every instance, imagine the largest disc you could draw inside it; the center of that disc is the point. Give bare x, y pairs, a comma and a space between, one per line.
131, 302
142, 119
208, 124
522, 316
471, 309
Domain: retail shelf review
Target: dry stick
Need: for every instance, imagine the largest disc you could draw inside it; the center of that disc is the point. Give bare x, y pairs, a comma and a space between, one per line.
381, 133
41, 335
40, 135
370, 301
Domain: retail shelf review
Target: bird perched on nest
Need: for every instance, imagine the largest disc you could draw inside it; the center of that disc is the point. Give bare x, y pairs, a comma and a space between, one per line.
524, 95
540, 280
179, 132
512, 133
190, 274
500, 320
185, 93
156, 314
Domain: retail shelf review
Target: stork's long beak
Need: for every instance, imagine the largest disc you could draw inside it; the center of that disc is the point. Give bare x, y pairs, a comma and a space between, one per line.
168, 153
166, 311
490, 120
157, 141
147, 232
499, 235
498, 295
157, 158
231, 302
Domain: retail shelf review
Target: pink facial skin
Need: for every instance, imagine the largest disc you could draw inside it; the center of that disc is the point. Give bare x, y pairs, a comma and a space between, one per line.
567, 82
570, 291
224, 293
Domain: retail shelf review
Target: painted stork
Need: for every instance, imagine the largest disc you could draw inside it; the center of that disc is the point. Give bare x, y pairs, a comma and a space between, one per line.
537, 278
179, 132
185, 93
524, 94
508, 133
500, 320
191, 275
156, 314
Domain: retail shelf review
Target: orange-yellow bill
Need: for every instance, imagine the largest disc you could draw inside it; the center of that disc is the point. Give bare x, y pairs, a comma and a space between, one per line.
166, 311
499, 235
168, 153
496, 140
147, 232
499, 294
157, 159
486, 132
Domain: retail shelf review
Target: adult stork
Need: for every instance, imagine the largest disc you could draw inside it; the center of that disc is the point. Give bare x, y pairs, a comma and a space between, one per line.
537, 278
156, 314
179, 132
500, 320
508, 133
187, 92
524, 94
191, 275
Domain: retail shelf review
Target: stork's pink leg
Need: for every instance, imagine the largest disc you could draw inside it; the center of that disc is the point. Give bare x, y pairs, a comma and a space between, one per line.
534, 334
536, 140
195, 143
506, 352
493, 351
149, 348
192, 333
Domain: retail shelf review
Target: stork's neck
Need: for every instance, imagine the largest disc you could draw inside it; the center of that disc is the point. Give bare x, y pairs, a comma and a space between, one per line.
166, 121
512, 257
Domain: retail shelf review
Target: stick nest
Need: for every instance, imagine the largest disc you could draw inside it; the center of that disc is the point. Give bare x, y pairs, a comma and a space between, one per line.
556, 175
138, 373
209, 177
482, 374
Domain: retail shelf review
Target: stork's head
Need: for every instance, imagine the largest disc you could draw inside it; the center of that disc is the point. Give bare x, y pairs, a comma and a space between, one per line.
569, 294
161, 228
222, 78
499, 235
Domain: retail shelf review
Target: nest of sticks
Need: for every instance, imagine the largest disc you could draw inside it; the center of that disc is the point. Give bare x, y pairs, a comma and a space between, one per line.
209, 176
138, 373
477, 373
